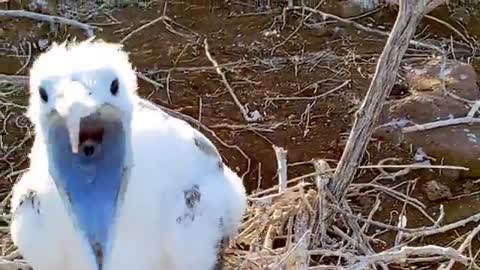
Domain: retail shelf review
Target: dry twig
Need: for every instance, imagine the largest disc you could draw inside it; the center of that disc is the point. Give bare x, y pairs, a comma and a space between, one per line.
248, 116
402, 254
468, 119
281, 155
371, 30
13, 79
89, 29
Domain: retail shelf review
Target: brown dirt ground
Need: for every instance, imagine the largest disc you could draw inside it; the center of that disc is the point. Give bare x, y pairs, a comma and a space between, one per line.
231, 39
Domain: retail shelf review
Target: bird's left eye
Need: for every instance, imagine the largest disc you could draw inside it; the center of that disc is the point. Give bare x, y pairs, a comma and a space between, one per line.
114, 87
43, 94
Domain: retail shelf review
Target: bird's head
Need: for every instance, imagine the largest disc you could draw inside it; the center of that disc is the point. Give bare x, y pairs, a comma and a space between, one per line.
81, 103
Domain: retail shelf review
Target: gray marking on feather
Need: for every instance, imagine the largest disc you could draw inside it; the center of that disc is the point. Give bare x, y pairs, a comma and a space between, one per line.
221, 247
145, 104
205, 146
192, 198
30, 199
208, 148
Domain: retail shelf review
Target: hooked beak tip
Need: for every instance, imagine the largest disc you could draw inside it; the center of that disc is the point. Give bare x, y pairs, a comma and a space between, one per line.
97, 250
75, 149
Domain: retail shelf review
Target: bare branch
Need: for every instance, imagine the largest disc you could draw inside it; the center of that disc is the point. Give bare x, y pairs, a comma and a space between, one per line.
370, 30
248, 116
404, 252
89, 29
13, 79
281, 155
410, 14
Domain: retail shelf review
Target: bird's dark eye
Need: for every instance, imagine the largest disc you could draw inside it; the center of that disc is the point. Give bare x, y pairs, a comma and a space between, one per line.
43, 94
114, 87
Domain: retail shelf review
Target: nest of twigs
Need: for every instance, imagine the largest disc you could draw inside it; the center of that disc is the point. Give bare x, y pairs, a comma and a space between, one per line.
303, 227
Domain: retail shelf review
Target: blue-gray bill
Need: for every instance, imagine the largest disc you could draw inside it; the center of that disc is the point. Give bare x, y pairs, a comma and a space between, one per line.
90, 180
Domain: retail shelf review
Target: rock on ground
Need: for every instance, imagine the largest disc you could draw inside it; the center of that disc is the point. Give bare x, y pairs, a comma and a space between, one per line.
436, 191
427, 101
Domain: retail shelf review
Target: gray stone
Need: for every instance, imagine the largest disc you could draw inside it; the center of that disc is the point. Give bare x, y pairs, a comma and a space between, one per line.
436, 191
453, 145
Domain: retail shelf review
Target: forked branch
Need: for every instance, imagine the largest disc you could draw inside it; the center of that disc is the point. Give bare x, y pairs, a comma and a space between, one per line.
409, 15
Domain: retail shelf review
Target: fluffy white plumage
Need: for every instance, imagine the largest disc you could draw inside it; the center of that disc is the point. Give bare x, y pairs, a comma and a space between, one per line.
181, 200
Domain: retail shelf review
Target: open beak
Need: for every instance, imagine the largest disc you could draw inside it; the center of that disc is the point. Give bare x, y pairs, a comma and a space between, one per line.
87, 160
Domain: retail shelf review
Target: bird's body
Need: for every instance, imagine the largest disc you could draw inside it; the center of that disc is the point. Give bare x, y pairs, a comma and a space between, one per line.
180, 202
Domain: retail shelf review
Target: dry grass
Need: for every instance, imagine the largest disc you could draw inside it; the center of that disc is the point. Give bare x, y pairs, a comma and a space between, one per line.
285, 230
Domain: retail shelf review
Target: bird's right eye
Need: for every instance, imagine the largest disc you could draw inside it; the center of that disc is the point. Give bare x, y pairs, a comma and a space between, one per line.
114, 87
43, 94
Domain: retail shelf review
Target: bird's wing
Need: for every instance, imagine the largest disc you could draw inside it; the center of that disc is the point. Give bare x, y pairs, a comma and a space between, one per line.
234, 201
181, 198
29, 227
181, 132
40, 226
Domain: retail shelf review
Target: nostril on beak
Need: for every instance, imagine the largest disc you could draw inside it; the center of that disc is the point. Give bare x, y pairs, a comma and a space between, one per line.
90, 148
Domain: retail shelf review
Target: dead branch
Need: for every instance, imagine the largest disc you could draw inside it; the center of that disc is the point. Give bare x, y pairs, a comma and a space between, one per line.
405, 252
463, 246
371, 30
248, 116
451, 226
13, 79
155, 84
468, 119
313, 97
142, 27
168, 22
409, 15
281, 155
441, 123
24, 66
449, 26
89, 29
324, 175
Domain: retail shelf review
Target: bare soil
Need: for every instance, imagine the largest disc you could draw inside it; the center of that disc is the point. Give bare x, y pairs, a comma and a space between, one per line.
263, 64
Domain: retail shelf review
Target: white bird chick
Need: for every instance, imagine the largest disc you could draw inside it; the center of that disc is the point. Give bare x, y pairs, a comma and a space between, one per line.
114, 182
